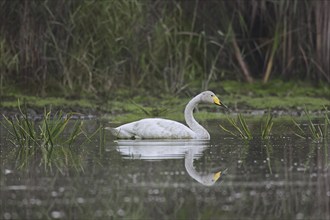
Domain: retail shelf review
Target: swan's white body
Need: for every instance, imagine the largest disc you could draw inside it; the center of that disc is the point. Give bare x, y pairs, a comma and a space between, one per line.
154, 128
158, 128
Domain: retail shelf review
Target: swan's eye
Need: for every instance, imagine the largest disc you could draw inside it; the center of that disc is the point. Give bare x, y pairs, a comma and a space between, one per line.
211, 95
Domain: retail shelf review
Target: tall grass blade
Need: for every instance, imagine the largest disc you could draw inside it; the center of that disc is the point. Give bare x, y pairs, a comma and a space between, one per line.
268, 125
228, 131
47, 143
302, 132
317, 132
240, 126
247, 133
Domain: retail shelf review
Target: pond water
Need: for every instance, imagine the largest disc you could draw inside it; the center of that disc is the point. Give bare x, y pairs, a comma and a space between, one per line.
283, 177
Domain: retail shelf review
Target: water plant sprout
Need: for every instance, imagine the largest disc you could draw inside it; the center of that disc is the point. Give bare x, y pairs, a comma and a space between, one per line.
317, 132
242, 130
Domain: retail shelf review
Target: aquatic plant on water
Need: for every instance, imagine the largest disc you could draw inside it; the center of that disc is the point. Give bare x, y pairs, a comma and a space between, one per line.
52, 142
316, 132
267, 126
241, 129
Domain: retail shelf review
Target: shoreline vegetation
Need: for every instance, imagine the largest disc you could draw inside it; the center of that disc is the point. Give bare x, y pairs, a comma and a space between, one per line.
131, 59
281, 99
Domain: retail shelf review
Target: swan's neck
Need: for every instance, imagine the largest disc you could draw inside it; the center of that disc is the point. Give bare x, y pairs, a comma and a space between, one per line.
200, 131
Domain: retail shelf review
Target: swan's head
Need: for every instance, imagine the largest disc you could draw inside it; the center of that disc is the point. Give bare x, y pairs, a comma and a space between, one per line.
210, 179
210, 97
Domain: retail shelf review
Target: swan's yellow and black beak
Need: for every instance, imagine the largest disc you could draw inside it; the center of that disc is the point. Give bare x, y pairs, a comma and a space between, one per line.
216, 176
217, 101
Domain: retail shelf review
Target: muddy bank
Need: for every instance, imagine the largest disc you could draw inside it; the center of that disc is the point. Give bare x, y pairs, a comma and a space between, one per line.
281, 98
124, 116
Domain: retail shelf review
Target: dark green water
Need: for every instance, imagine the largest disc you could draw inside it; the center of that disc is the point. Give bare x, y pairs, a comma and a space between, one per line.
281, 178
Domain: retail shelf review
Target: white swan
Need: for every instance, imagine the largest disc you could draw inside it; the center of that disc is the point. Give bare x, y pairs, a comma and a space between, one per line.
158, 128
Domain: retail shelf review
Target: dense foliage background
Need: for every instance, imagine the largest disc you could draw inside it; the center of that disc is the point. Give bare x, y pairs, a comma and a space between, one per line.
94, 47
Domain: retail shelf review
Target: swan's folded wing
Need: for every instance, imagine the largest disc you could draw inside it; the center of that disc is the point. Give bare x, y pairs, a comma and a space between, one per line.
157, 128
121, 133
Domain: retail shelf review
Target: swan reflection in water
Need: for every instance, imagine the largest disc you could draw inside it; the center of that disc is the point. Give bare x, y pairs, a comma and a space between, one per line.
170, 149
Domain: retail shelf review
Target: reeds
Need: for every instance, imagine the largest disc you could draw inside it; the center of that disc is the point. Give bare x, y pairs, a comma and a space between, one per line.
8, 63
266, 126
316, 132
52, 142
92, 47
242, 130
240, 126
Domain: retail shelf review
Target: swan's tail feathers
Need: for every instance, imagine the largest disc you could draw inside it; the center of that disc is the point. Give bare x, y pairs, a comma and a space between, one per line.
115, 132
121, 133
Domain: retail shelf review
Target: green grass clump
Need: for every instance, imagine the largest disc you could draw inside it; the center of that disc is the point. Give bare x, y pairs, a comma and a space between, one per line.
242, 130
316, 132
266, 127
240, 126
50, 143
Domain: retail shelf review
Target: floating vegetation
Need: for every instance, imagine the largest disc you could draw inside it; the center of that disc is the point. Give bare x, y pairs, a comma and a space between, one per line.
241, 129
48, 143
316, 132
